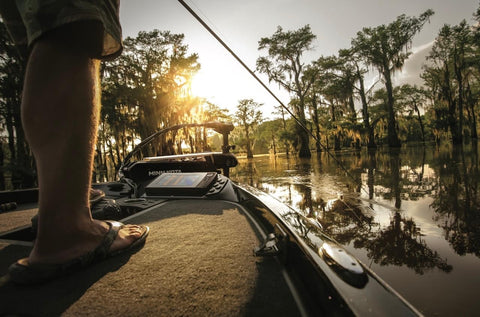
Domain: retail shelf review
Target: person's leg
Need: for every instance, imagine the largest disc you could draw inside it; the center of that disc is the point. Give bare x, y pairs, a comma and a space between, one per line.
60, 110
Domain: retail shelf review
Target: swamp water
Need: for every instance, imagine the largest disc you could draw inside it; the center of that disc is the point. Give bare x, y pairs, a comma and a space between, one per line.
411, 215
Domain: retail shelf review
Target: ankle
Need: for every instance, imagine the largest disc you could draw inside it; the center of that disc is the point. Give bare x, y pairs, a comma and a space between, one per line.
55, 222
57, 246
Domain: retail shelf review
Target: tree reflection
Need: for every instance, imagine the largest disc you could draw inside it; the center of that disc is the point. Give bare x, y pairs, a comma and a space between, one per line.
347, 222
400, 244
390, 177
251, 171
306, 204
401, 175
457, 204
447, 177
371, 166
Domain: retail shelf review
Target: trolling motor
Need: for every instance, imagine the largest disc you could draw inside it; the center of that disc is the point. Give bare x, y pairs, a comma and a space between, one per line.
224, 129
140, 173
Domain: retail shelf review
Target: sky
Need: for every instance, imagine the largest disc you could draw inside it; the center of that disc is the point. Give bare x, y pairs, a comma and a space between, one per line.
241, 24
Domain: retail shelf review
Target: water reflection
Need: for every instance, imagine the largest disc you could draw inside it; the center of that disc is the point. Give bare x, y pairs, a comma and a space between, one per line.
400, 244
456, 202
417, 208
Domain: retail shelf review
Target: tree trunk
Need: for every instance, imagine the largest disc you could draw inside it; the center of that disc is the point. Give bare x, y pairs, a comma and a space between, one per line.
422, 129
473, 121
285, 130
318, 146
458, 75
303, 135
393, 140
366, 117
118, 159
274, 144
452, 106
473, 124
351, 106
2, 164
304, 139
11, 133
336, 139
97, 171
249, 148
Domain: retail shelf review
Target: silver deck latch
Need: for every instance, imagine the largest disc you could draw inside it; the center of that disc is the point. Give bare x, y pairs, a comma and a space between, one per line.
268, 247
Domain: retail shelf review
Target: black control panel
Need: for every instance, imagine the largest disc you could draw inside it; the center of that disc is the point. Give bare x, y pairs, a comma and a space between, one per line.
218, 186
151, 167
182, 184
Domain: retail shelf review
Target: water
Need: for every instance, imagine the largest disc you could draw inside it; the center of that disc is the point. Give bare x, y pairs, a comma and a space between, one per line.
412, 216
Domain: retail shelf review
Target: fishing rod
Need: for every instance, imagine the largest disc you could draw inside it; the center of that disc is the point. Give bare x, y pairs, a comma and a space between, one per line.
207, 27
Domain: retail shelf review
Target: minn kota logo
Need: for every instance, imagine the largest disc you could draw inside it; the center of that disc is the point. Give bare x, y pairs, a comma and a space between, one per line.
157, 173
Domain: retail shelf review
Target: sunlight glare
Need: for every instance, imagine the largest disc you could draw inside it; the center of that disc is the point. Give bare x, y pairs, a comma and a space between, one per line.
210, 86
200, 84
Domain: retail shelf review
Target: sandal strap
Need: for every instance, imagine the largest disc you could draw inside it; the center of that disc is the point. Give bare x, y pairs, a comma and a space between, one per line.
103, 250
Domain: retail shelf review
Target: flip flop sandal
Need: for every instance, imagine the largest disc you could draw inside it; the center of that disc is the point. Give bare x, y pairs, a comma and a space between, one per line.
22, 272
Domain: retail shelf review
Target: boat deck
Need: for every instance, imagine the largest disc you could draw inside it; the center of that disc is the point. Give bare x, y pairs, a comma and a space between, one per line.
197, 261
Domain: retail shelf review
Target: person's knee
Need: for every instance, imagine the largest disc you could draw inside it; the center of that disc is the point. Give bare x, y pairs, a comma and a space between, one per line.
82, 37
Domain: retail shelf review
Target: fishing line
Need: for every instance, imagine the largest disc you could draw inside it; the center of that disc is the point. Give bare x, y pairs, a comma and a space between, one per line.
210, 22
205, 25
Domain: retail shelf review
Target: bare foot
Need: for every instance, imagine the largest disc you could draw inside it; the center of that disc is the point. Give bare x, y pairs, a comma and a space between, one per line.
126, 236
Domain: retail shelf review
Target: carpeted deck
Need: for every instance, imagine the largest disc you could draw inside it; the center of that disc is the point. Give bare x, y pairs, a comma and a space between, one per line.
14, 219
197, 261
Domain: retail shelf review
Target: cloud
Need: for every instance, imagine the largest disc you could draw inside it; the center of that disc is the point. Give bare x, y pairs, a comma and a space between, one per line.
410, 73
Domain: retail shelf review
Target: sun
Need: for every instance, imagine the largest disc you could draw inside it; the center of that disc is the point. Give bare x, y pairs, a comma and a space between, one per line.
217, 82
201, 84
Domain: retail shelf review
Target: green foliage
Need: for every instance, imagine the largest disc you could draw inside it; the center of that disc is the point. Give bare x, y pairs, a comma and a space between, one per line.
284, 66
270, 137
451, 77
248, 117
152, 75
213, 112
386, 48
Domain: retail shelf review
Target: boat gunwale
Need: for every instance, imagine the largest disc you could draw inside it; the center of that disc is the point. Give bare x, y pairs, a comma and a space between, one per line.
324, 269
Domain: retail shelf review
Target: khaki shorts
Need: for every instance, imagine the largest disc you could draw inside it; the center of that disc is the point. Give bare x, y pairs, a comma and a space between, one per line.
27, 20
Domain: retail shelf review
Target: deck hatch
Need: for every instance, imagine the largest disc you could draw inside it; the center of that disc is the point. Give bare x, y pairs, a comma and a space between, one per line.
342, 263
